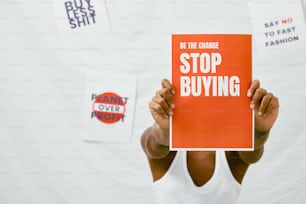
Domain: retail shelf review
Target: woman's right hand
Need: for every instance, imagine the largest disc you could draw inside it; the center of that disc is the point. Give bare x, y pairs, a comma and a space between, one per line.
161, 106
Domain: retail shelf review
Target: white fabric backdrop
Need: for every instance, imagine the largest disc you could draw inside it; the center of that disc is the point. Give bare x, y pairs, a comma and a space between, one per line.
43, 158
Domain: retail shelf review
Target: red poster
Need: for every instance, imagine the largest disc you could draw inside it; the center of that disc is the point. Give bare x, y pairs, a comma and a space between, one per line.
211, 75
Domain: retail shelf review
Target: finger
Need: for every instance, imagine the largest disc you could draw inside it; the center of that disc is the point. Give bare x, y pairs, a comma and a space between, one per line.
167, 84
164, 104
274, 104
257, 97
156, 108
264, 103
254, 85
167, 91
166, 94
160, 106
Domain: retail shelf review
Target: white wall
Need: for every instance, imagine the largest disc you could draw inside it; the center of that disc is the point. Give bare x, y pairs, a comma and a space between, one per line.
43, 158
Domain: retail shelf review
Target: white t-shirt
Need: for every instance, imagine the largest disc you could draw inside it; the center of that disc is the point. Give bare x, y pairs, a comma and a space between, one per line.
177, 187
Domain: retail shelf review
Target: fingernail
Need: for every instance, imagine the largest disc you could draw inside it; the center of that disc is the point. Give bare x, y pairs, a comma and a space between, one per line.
252, 106
260, 113
249, 94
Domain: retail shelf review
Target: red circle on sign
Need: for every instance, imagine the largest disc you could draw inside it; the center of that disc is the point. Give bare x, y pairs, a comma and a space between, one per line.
109, 107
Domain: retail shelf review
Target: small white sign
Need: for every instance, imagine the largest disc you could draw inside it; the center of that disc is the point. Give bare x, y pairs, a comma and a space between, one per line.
109, 108
279, 31
81, 16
